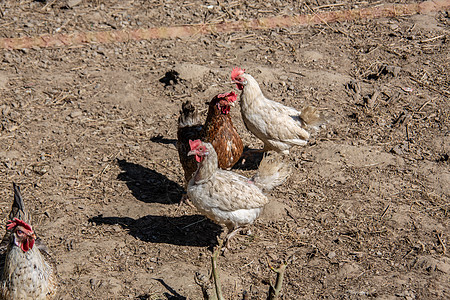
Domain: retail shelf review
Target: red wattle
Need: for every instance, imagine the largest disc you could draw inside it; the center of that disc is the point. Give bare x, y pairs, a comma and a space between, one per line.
27, 245
225, 110
24, 246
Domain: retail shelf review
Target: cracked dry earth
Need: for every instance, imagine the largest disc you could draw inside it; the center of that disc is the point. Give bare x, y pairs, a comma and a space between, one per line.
89, 133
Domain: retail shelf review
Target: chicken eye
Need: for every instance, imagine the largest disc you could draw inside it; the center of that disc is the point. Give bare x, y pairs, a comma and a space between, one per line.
20, 232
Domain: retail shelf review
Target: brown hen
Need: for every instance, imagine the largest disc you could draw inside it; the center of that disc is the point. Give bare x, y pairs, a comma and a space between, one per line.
218, 130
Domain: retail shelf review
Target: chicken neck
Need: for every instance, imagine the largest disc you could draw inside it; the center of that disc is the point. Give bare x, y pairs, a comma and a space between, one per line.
214, 121
251, 92
207, 167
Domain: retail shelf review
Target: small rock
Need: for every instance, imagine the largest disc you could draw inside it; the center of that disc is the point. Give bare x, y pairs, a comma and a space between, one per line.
76, 114
331, 254
394, 26
443, 265
188, 71
397, 150
393, 70
73, 3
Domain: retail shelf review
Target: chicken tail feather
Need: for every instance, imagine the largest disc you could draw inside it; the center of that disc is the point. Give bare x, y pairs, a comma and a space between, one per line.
311, 117
188, 115
18, 207
272, 172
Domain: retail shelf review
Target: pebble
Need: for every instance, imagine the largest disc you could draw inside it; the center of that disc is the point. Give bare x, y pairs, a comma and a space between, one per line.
76, 114
73, 3
443, 266
397, 150
331, 254
394, 27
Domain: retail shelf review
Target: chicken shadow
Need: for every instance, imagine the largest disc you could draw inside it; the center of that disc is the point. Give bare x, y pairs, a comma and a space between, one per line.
148, 185
249, 160
171, 77
194, 230
162, 140
174, 294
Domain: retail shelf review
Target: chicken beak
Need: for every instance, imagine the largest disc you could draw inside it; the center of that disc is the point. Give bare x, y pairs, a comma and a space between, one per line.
192, 152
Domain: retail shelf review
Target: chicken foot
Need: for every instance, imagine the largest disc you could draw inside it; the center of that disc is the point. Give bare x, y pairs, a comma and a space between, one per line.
185, 200
226, 241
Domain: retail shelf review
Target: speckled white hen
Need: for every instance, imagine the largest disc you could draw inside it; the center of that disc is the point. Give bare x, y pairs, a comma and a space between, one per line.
27, 270
229, 198
279, 127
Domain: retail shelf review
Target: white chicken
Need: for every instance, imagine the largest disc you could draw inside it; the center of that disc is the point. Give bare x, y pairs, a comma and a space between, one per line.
279, 127
229, 198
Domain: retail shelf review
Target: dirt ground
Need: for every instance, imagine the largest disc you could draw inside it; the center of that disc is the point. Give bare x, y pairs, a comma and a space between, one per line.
89, 133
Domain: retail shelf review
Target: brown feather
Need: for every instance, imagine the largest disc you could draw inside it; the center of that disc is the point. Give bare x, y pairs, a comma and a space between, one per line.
217, 130
220, 132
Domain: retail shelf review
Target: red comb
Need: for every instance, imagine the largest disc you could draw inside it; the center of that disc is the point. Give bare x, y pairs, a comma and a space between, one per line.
231, 96
236, 72
194, 144
16, 222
